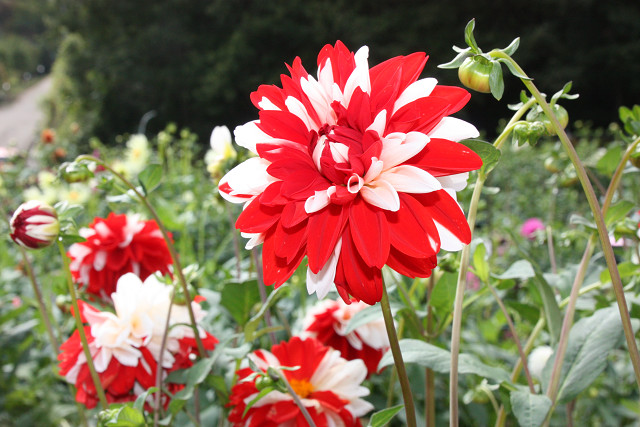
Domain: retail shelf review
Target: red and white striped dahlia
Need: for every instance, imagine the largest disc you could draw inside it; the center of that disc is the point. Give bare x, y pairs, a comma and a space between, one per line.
125, 345
355, 169
327, 322
117, 245
328, 385
34, 225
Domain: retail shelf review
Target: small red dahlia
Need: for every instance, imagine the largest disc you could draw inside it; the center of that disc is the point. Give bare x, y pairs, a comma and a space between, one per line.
117, 245
327, 384
328, 321
125, 345
355, 170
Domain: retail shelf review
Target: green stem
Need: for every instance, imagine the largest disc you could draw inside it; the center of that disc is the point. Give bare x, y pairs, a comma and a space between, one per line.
163, 345
170, 246
512, 328
595, 209
80, 328
295, 397
430, 379
42, 308
397, 358
464, 267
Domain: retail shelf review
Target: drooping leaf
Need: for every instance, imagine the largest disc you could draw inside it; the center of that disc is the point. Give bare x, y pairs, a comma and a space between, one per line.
617, 212
150, 177
496, 83
489, 154
529, 409
521, 269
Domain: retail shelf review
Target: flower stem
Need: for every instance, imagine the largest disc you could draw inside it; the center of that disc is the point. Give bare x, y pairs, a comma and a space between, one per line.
80, 328
595, 209
42, 308
296, 398
263, 294
163, 345
512, 328
170, 245
430, 379
397, 358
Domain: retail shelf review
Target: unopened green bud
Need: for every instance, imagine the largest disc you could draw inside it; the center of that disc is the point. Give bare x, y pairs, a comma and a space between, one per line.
74, 172
474, 73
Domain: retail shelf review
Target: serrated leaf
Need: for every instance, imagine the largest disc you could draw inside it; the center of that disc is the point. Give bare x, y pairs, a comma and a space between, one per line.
496, 83
468, 36
618, 212
381, 418
489, 154
432, 357
513, 46
150, 177
530, 409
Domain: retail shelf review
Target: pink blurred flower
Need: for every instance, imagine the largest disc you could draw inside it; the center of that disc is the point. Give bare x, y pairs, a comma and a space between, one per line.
530, 227
16, 302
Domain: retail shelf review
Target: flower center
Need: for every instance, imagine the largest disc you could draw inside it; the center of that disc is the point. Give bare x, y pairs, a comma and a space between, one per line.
303, 388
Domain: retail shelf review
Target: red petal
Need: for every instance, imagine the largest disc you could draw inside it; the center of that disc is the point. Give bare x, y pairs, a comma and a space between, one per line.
342, 62
257, 218
293, 214
276, 270
290, 240
411, 266
272, 93
410, 228
284, 125
362, 281
325, 228
421, 115
446, 211
457, 97
391, 77
370, 232
442, 157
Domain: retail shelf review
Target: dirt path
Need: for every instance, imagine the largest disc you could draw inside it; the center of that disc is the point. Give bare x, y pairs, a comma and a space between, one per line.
19, 120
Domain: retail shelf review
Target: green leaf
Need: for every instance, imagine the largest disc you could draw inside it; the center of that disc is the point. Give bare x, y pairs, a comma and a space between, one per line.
444, 293
480, 264
458, 60
626, 269
530, 409
251, 326
521, 269
139, 403
259, 396
438, 359
487, 152
150, 177
239, 299
368, 315
196, 374
381, 418
496, 83
551, 309
576, 219
514, 70
609, 162
590, 341
618, 212
125, 416
468, 36
513, 46
167, 214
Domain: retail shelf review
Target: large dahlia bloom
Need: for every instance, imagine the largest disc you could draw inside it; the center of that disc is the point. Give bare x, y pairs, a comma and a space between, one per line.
355, 169
328, 385
125, 345
328, 321
117, 245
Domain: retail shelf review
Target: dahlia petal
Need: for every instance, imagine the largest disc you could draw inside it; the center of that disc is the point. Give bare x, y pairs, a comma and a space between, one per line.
454, 130
453, 183
255, 239
421, 115
448, 240
292, 240
449, 219
249, 178
444, 157
380, 193
379, 123
391, 77
322, 282
319, 96
325, 228
362, 281
359, 78
284, 125
398, 147
417, 89
456, 97
411, 266
277, 270
296, 107
410, 179
257, 218
318, 201
370, 233
410, 228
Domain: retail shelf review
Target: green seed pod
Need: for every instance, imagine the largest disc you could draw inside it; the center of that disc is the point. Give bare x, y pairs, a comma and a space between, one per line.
474, 73
74, 172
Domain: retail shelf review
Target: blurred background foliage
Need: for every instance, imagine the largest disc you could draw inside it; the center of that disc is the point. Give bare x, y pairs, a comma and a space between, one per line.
195, 62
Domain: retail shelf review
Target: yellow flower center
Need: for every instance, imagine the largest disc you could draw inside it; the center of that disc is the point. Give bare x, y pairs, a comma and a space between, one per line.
303, 388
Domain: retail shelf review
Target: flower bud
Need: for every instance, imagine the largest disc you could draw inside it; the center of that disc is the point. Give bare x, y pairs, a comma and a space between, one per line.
537, 115
474, 73
34, 225
74, 172
263, 382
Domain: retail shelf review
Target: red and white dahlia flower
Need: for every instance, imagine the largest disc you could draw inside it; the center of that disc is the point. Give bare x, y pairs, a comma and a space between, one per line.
125, 345
117, 245
327, 384
34, 225
327, 322
356, 169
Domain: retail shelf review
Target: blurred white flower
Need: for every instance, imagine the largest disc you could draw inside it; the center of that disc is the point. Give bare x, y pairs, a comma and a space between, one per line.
538, 359
221, 150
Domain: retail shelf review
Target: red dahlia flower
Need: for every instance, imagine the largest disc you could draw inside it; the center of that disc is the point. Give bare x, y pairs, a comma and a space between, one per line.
327, 322
355, 170
34, 225
117, 245
125, 345
328, 385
